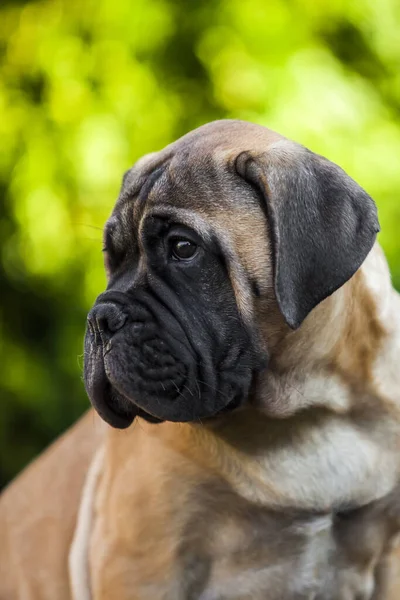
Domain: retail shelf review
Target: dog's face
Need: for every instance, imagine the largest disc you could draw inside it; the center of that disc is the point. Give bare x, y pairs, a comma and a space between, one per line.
230, 215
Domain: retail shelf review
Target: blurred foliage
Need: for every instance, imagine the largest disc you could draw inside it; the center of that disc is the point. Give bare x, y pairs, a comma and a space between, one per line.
88, 87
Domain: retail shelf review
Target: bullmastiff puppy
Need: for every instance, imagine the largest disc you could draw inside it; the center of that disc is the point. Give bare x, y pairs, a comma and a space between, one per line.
246, 356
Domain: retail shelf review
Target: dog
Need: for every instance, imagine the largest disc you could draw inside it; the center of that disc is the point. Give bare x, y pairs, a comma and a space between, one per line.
245, 355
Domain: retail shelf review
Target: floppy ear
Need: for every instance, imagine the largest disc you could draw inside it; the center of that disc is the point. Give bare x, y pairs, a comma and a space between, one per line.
322, 223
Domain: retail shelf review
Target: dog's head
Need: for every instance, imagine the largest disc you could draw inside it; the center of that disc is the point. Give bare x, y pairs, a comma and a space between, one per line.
228, 216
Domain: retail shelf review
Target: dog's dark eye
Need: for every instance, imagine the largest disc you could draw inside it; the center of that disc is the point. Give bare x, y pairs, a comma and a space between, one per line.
182, 249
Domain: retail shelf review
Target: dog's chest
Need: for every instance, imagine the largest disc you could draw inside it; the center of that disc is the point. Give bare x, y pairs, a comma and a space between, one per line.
236, 551
191, 536
242, 556
212, 544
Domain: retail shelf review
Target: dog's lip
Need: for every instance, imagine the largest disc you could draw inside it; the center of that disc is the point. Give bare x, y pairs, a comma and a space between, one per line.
118, 406
121, 419
232, 405
100, 392
110, 413
143, 411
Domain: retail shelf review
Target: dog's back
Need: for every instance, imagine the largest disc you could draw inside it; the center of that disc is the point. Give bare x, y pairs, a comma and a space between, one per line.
38, 513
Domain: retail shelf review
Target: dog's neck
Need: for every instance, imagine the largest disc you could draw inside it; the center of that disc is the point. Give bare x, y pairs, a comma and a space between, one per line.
346, 350
321, 431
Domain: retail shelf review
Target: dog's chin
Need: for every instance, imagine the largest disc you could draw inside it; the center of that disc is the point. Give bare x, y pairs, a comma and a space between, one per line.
119, 408
120, 412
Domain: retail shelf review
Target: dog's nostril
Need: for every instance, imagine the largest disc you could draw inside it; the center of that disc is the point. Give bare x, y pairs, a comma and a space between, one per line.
106, 318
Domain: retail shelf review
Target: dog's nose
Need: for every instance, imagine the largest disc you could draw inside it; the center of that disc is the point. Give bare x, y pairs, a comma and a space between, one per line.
106, 318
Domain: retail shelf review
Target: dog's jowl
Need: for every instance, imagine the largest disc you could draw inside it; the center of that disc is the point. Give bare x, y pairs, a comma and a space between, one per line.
247, 344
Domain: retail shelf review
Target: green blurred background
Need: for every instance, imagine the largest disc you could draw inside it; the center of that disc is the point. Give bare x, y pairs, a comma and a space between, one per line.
87, 87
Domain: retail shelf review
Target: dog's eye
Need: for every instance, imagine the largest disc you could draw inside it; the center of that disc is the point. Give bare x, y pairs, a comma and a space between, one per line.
182, 249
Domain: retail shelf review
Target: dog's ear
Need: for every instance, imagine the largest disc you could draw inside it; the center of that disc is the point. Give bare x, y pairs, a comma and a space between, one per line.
322, 223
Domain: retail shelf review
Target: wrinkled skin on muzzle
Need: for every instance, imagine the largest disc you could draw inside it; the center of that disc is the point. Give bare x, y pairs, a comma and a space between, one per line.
166, 354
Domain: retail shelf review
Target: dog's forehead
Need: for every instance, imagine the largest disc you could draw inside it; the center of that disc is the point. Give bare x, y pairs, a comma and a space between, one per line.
194, 180
229, 134
199, 162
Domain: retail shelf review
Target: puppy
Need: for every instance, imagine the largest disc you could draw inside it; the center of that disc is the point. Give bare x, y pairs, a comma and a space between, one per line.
250, 333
